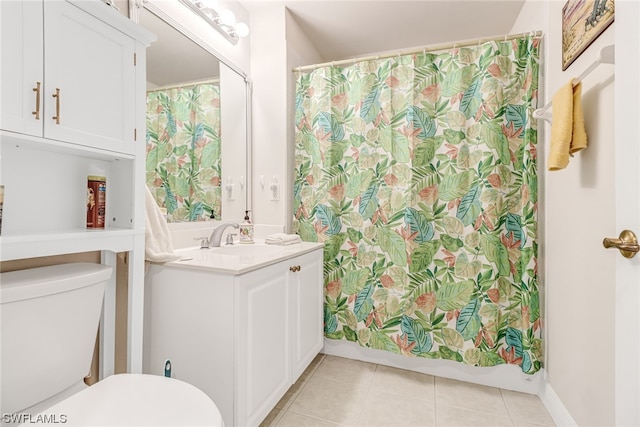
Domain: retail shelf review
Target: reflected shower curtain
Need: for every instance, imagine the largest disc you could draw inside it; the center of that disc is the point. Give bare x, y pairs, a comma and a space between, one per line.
418, 172
183, 150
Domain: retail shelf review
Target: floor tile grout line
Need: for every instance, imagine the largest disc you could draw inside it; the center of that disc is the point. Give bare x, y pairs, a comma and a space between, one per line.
297, 393
512, 416
286, 407
366, 397
435, 401
506, 405
319, 419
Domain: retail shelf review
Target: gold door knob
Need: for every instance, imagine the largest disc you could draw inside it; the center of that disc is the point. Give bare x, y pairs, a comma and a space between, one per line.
627, 243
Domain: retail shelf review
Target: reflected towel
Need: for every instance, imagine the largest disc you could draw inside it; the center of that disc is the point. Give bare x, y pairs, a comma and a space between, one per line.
157, 239
282, 239
567, 130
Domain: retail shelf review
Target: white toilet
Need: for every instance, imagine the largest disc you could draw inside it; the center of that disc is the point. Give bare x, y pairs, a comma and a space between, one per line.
50, 318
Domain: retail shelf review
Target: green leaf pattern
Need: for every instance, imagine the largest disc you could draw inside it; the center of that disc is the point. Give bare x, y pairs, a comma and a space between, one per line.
183, 168
419, 174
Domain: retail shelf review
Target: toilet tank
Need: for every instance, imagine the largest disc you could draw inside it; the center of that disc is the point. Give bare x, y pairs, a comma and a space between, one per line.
49, 320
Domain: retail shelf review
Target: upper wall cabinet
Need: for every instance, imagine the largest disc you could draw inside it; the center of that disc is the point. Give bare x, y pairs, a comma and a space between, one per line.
71, 80
71, 101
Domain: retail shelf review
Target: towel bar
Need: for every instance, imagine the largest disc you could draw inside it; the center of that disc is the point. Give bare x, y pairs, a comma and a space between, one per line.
606, 56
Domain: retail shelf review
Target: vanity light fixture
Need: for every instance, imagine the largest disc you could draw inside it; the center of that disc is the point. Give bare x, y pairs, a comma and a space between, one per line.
224, 21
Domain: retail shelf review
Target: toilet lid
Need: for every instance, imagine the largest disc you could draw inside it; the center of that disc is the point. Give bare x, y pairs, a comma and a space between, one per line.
138, 400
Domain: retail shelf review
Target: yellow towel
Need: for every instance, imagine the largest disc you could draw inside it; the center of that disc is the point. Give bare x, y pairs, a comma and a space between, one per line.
567, 129
579, 135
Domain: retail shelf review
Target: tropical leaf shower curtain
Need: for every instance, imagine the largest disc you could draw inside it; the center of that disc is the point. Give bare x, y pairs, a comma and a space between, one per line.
419, 174
183, 150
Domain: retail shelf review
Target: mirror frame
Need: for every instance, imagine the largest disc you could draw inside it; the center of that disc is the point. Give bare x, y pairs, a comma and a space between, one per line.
134, 7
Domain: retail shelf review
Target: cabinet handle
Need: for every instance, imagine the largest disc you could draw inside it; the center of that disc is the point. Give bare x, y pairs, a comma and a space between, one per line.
294, 268
37, 91
57, 97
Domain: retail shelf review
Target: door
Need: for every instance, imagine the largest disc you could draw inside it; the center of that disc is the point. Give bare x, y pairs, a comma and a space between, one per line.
627, 140
90, 68
21, 77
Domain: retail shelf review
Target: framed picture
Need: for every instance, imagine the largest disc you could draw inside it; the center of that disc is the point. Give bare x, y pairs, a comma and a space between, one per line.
582, 22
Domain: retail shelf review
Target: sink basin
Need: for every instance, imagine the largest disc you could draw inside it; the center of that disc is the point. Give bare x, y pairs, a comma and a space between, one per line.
248, 250
240, 258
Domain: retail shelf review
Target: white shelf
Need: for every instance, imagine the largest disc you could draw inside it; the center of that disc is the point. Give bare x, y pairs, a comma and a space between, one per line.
65, 241
39, 143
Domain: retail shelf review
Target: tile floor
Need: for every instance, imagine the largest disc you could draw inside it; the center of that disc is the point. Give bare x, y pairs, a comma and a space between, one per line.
335, 391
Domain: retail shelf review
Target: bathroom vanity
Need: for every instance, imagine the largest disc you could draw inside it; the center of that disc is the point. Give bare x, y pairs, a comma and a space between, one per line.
239, 322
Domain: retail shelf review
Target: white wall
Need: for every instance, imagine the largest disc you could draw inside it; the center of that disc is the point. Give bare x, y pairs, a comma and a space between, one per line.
234, 148
577, 212
269, 77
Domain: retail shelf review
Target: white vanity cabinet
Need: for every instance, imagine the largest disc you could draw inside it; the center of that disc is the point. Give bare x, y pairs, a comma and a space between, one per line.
242, 339
67, 75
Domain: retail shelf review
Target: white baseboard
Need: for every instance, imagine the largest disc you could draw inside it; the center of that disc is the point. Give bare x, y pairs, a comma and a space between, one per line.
560, 414
508, 377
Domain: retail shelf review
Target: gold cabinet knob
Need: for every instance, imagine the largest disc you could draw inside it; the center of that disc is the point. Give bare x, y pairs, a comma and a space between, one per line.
37, 91
626, 243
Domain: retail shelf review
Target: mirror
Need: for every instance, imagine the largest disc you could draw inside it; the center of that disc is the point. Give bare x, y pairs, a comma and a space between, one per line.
196, 125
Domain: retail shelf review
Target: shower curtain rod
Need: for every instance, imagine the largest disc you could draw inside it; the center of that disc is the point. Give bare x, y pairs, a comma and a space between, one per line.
184, 85
431, 48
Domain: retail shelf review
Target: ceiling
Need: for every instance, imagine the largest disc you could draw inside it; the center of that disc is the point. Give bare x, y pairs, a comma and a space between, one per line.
342, 29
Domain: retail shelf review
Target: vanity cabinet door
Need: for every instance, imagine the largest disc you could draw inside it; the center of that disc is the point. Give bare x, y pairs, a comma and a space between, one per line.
306, 287
89, 66
21, 57
263, 363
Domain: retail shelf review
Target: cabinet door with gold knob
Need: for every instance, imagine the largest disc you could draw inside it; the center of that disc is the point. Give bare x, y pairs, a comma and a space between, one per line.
90, 66
307, 305
21, 47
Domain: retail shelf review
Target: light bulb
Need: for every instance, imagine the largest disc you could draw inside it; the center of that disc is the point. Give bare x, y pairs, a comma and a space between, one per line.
242, 29
227, 17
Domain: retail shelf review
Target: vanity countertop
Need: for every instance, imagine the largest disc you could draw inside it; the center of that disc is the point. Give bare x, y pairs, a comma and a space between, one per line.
240, 258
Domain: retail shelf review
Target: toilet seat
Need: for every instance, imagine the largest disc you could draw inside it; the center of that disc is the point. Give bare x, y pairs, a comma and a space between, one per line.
138, 400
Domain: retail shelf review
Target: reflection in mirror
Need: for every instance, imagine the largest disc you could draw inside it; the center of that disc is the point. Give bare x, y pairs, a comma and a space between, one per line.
192, 101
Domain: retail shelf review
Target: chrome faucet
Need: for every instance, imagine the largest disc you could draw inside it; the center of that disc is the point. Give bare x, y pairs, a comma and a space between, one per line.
216, 235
